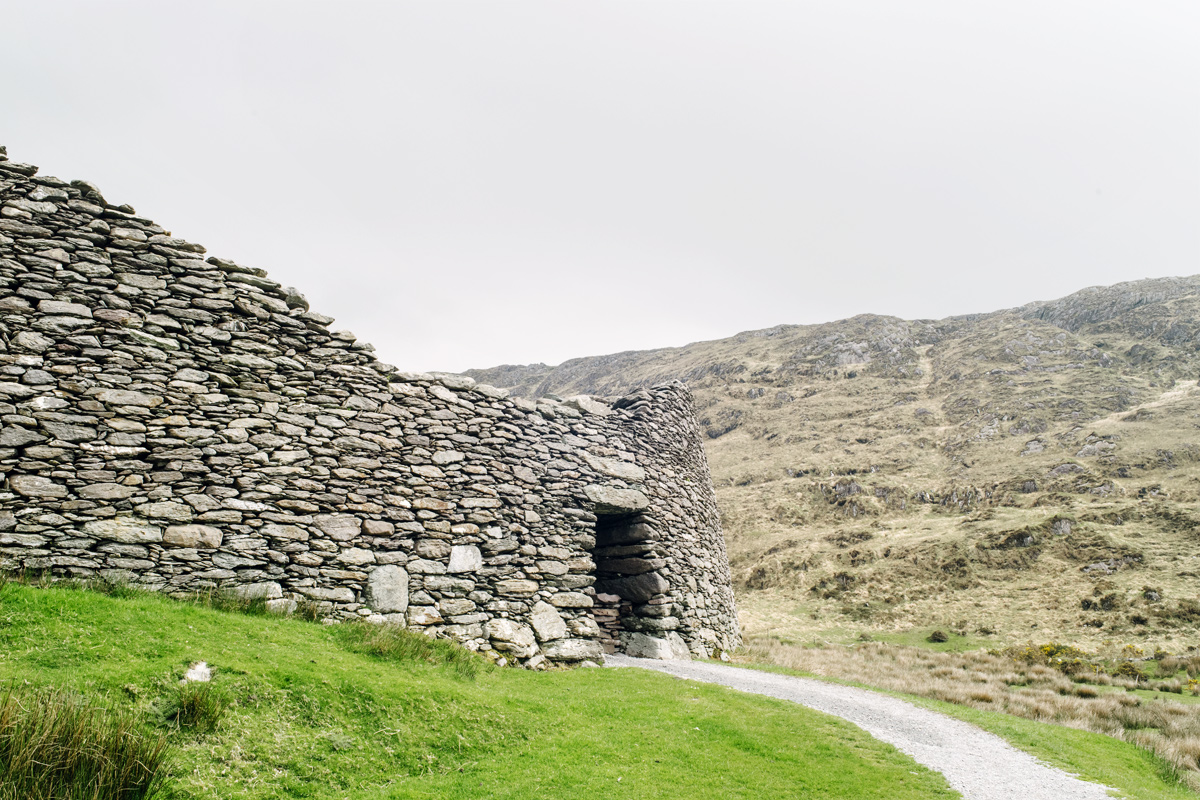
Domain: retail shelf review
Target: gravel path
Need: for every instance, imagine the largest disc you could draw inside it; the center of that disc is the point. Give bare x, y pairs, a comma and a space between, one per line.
978, 764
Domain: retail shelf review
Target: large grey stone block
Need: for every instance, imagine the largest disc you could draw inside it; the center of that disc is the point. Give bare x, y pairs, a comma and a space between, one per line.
465, 558
615, 469
511, 637
547, 622
339, 527
124, 529
121, 397
338, 594
36, 486
266, 590
106, 491
16, 436
198, 536
612, 500
573, 650
641, 645
387, 590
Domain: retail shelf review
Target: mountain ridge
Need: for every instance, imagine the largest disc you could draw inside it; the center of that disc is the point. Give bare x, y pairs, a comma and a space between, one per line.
1061, 312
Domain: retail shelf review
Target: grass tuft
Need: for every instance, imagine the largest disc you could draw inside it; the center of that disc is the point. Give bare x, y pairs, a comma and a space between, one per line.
231, 602
396, 643
194, 706
54, 746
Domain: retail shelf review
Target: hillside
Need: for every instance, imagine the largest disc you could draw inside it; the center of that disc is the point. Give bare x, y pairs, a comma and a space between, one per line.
1027, 473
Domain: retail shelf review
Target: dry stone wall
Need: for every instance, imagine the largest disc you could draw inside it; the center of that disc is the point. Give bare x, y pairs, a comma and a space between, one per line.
188, 424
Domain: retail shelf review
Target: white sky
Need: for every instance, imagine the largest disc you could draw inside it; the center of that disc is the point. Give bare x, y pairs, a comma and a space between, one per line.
472, 183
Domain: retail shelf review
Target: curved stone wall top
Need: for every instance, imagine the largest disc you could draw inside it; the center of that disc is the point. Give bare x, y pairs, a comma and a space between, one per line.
190, 424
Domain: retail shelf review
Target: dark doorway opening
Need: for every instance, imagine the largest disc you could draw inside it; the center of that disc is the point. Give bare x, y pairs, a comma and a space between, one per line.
629, 588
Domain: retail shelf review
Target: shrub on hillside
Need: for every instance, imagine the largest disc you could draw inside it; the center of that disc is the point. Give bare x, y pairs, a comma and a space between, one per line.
1129, 669
1184, 611
1169, 665
1063, 657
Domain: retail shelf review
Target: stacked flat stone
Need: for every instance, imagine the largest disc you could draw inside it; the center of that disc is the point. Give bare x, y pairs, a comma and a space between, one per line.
190, 425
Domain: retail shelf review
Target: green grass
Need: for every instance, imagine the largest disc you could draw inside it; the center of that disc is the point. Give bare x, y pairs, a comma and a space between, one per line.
1132, 771
664, 738
338, 712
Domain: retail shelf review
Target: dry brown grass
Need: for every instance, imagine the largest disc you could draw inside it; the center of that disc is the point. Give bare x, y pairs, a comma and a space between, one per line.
875, 475
1169, 665
996, 682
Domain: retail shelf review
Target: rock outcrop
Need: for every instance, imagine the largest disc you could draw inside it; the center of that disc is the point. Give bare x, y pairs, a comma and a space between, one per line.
188, 424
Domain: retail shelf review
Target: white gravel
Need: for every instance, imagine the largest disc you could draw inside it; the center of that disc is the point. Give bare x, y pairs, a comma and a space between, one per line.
977, 764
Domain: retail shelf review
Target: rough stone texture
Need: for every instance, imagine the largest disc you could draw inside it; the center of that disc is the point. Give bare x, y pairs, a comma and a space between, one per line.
36, 486
512, 637
199, 536
465, 558
188, 424
611, 500
123, 529
268, 590
573, 650
387, 590
639, 645
639, 588
547, 622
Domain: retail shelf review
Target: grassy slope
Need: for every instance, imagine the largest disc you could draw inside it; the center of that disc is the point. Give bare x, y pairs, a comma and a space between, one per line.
310, 717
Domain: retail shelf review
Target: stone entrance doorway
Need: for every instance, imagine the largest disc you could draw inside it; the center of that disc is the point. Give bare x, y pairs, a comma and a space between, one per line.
630, 593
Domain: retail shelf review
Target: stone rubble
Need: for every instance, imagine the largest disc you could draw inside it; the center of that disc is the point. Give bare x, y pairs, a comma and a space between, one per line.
188, 424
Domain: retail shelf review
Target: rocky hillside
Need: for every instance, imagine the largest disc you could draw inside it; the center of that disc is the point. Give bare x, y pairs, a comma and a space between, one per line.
1025, 473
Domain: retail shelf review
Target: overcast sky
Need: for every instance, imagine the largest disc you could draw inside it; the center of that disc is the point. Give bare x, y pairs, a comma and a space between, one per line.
465, 184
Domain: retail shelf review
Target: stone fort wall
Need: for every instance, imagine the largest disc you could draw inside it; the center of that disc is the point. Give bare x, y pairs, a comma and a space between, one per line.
188, 424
